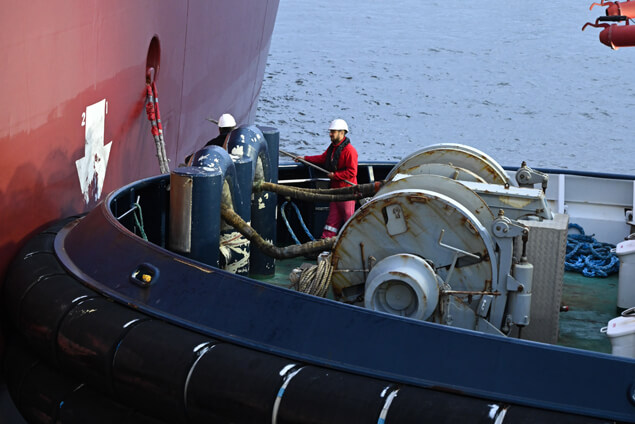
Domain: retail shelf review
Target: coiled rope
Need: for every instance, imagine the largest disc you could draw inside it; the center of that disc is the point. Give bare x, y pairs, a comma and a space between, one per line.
316, 279
588, 256
234, 245
286, 221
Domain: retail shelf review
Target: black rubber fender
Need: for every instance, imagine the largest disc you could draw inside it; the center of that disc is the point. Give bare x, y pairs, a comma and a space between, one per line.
320, 395
235, 384
36, 390
152, 365
44, 395
89, 354
35, 260
43, 308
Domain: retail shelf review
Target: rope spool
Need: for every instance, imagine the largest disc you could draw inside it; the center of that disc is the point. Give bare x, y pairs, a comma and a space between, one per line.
588, 256
316, 279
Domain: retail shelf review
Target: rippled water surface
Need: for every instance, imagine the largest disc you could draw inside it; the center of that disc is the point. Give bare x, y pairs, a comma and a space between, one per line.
517, 80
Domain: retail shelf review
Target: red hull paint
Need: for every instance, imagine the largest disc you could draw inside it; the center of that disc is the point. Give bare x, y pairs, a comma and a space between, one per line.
58, 59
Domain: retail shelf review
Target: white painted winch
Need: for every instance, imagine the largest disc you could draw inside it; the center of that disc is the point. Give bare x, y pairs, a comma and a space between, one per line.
402, 284
430, 247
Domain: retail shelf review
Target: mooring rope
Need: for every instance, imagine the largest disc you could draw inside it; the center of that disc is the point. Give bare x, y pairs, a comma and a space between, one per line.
316, 279
588, 256
320, 195
292, 251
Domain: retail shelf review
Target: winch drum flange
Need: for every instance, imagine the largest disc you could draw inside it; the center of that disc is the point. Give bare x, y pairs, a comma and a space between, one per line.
422, 223
458, 155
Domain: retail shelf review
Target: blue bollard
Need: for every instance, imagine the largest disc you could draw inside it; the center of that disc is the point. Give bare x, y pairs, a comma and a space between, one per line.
195, 199
249, 142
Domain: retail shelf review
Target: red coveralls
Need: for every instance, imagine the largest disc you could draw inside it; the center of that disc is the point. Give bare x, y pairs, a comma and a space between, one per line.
339, 212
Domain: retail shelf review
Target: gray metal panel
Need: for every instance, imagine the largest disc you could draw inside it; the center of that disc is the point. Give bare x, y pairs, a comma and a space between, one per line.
603, 191
181, 213
546, 250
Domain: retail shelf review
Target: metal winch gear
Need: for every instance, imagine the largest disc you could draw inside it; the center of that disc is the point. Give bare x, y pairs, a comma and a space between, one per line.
422, 223
428, 246
457, 155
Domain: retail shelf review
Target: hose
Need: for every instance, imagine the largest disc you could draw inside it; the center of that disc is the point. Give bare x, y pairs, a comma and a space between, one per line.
299, 215
233, 219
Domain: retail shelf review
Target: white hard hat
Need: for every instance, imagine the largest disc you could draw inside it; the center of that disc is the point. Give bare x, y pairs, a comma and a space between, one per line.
226, 121
338, 124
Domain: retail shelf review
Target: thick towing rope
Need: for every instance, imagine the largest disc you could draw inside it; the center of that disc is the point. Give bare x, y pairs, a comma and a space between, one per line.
154, 116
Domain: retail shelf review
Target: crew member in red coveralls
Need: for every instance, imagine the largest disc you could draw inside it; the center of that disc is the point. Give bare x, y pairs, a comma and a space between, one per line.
340, 159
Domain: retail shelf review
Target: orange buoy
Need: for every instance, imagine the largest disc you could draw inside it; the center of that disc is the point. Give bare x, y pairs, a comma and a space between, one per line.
615, 35
616, 8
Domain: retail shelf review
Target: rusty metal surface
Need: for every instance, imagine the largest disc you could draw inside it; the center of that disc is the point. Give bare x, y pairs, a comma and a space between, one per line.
458, 155
516, 202
451, 188
446, 170
425, 214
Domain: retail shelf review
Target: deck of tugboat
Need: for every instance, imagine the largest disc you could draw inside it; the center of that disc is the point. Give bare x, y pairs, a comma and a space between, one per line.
343, 335
590, 303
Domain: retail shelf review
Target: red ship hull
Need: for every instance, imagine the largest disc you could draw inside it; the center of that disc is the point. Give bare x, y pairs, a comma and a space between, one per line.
63, 65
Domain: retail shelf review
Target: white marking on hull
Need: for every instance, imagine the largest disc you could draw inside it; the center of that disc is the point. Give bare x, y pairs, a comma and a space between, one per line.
384, 411
276, 403
497, 413
286, 369
91, 169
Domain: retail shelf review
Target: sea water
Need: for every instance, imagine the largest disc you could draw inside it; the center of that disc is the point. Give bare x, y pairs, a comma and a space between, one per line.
517, 80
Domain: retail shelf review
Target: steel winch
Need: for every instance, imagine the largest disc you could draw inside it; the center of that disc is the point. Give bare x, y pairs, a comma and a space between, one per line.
436, 243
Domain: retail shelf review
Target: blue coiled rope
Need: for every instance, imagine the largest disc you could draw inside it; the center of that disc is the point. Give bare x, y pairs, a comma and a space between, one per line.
588, 256
286, 221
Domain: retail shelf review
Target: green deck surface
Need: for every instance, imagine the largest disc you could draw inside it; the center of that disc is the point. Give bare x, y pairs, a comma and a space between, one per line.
283, 269
591, 303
